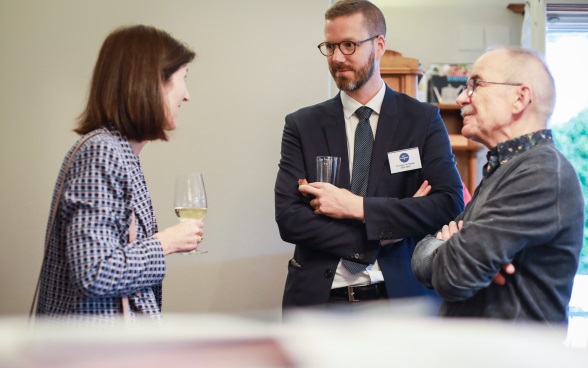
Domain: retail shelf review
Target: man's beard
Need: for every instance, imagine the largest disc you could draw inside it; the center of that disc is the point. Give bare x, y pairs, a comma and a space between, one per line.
362, 75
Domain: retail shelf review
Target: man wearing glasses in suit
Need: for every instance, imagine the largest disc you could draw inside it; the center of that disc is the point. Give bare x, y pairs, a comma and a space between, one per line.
398, 180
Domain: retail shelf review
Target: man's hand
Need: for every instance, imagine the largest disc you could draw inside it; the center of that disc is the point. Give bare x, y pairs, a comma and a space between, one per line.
499, 279
424, 190
334, 202
448, 230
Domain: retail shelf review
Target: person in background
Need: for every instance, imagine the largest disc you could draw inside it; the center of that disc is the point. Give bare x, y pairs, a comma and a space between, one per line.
354, 242
527, 214
138, 85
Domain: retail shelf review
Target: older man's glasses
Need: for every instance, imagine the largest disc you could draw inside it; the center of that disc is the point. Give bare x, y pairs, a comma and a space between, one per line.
346, 47
473, 83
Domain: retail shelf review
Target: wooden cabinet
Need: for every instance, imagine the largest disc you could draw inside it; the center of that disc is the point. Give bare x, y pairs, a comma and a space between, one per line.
465, 150
400, 73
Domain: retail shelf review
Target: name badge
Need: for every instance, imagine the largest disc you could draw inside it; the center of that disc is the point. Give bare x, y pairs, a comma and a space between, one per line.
404, 160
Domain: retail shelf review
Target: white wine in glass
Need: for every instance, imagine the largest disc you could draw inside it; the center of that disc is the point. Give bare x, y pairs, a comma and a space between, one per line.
190, 200
190, 213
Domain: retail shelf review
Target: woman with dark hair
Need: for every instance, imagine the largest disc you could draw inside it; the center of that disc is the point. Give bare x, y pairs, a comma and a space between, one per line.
103, 251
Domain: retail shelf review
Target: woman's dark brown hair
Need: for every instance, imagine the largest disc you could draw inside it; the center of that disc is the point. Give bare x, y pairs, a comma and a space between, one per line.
126, 89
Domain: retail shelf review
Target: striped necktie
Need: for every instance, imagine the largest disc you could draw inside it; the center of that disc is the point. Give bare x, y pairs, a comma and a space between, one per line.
362, 156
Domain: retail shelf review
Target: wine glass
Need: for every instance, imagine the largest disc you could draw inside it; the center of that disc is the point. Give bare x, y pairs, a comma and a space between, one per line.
190, 200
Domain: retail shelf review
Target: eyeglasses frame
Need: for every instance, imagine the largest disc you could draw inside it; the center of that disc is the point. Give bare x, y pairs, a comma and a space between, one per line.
476, 82
338, 45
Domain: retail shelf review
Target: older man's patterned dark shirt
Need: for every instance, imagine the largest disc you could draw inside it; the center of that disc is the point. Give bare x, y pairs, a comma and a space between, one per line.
505, 151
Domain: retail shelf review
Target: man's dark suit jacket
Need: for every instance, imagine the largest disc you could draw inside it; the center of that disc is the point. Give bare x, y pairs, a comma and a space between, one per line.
390, 210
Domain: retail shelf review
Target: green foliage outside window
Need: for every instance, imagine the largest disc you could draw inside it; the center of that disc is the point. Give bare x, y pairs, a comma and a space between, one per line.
571, 138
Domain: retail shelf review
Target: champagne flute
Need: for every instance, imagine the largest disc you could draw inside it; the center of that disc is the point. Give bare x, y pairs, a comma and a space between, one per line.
190, 200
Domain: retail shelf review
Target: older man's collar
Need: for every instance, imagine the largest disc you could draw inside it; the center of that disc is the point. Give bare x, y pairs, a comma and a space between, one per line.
505, 151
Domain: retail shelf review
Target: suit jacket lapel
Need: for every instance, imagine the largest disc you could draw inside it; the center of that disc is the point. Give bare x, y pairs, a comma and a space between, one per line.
387, 125
336, 137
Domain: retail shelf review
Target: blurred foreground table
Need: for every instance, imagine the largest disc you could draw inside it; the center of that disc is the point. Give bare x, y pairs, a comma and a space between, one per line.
375, 337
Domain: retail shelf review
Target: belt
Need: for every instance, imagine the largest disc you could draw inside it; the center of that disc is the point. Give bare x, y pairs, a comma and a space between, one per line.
360, 293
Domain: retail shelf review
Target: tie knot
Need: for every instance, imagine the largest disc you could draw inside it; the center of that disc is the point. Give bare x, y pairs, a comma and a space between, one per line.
363, 113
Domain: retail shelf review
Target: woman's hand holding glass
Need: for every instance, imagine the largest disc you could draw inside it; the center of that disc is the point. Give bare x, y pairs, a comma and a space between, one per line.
190, 201
190, 206
183, 237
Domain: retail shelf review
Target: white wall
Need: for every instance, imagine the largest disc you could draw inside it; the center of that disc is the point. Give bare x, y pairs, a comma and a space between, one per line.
434, 31
256, 62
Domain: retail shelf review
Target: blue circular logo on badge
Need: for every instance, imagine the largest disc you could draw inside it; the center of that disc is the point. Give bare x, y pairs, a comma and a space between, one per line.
404, 157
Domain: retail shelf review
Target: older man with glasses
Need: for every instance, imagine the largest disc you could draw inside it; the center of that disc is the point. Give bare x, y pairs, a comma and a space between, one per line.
354, 241
527, 215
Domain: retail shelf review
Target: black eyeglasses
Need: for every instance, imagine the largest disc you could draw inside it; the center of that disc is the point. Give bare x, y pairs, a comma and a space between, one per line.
346, 47
473, 83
